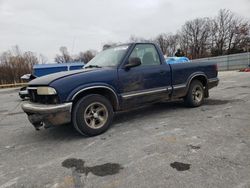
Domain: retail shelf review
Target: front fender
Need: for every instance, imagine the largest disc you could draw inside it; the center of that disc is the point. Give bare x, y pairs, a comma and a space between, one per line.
86, 87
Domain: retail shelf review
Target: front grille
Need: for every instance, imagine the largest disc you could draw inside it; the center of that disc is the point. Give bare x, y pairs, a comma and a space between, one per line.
43, 99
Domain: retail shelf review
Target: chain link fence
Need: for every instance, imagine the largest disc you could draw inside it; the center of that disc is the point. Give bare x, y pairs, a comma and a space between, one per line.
229, 62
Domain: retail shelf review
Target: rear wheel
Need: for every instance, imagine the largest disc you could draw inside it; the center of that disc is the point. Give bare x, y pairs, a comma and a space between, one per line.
195, 95
92, 115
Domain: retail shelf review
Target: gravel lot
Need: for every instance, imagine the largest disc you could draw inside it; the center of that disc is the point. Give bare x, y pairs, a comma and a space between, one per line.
163, 145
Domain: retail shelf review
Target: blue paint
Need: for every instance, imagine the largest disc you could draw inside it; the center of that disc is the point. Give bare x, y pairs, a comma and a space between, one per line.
45, 69
174, 60
125, 82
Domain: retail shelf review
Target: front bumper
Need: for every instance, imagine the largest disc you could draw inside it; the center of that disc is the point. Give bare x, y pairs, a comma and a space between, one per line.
47, 115
23, 92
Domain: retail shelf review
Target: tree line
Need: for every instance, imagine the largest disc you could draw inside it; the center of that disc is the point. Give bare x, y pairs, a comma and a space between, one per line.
205, 37
66, 57
14, 63
202, 37
224, 34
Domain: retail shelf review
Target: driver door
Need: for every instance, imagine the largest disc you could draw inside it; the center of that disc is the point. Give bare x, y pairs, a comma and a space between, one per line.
147, 82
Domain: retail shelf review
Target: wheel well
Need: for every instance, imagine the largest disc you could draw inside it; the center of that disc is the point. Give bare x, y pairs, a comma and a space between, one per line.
101, 91
203, 80
200, 78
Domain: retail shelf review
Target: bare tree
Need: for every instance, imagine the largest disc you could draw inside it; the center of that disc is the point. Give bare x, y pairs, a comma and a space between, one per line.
239, 38
222, 26
173, 44
42, 59
86, 56
64, 57
162, 42
14, 64
229, 33
168, 43
195, 36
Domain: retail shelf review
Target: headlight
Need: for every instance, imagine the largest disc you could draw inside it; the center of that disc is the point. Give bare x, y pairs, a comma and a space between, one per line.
46, 91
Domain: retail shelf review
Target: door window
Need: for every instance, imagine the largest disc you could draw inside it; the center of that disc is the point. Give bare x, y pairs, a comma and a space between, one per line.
147, 53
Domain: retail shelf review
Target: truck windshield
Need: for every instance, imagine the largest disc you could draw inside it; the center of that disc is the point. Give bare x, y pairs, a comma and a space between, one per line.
109, 57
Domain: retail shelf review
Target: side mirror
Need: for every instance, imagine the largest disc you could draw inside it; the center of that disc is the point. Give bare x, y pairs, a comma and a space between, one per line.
133, 62
26, 77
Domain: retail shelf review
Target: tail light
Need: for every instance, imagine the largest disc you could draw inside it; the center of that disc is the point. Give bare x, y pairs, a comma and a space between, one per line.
216, 67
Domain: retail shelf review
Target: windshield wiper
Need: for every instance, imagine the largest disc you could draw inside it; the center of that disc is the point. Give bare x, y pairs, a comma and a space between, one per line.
93, 66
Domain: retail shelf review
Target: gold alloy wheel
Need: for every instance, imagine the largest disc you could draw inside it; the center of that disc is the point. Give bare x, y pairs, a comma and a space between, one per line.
197, 94
96, 115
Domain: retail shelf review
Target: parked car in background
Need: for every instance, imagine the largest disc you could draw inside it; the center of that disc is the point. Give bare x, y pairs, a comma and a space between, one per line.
46, 69
23, 92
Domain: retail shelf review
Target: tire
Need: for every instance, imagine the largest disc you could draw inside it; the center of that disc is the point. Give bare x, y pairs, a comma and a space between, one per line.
195, 95
22, 96
92, 115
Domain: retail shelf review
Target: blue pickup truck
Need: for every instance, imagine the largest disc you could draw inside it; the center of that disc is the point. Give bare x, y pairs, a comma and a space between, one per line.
119, 78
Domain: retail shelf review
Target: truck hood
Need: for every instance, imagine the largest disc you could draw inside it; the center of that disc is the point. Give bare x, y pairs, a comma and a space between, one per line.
46, 80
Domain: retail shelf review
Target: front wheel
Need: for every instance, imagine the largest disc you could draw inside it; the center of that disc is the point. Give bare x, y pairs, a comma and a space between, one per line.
195, 95
92, 115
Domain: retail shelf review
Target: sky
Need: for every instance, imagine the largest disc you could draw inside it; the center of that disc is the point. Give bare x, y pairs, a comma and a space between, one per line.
43, 26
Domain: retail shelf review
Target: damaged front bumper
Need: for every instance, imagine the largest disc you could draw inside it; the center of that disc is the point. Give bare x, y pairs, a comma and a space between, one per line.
47, 115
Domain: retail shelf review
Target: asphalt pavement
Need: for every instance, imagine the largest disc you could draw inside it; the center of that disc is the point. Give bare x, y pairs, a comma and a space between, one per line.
161, 145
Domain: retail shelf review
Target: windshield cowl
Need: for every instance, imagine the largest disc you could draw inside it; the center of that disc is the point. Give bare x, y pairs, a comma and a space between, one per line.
92, 66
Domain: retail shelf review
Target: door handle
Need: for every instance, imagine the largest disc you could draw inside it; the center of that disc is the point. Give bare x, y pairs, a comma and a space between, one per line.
162, 72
